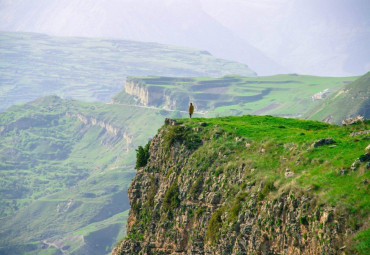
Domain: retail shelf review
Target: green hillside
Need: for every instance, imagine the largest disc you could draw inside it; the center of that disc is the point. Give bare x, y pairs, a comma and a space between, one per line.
350, 101
281, 95
252, 185
64, 170
34, 65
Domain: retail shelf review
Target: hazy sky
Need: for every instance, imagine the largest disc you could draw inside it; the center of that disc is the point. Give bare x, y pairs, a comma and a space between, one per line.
321, 37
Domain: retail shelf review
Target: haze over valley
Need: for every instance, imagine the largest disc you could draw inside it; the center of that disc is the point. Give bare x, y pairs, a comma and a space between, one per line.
98, 154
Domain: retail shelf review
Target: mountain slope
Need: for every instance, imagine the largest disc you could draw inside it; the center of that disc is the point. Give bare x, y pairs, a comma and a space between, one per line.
35, 65
351, 100
180, 22
65, 167
251, 185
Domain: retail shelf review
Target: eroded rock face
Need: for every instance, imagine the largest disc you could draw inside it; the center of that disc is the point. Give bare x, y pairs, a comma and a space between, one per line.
148, 96
176, 209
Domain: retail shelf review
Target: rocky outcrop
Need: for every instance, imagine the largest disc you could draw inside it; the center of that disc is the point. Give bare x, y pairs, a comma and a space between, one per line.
147, 96
114, 132
180, 206
156, 96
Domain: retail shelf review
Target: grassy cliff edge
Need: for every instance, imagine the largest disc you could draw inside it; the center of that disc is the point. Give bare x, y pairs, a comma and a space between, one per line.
251, 184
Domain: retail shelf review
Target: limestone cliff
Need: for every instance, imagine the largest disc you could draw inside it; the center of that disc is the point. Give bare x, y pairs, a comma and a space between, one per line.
204, 192
148, 96
156, 95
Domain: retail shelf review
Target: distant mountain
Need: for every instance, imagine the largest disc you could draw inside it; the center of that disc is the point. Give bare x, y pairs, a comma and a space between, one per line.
351, 100
181, 22
35, 65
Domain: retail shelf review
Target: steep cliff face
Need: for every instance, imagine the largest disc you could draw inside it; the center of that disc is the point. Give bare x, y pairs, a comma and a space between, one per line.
226, 187
148, 96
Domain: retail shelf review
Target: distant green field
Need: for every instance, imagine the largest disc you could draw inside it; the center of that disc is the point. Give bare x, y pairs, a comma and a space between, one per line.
35, 65
64, 170
281, 95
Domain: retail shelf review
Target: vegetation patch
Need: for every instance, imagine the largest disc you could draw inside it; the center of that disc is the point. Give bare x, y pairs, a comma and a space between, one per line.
171, 198
152, 191
142, 155
267, 188
214, 225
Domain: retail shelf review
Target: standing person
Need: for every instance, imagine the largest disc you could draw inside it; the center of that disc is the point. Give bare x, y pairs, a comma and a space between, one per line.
191, 109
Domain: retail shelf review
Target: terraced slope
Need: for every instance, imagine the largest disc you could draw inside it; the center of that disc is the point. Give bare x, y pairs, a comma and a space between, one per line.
35, 65
282, 95
351, 100
64, 170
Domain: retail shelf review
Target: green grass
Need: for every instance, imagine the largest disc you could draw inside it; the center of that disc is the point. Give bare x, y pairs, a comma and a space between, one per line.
277, 144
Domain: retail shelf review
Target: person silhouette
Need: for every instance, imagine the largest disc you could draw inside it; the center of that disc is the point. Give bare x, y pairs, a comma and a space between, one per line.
191, 109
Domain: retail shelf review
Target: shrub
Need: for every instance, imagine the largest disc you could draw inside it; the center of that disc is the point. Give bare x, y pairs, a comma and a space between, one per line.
142, 156
171, 199
214, 225
303, 220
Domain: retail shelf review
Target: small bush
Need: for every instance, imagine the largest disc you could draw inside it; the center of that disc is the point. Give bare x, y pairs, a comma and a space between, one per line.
278, 222
142, 156
191, 213
214, 225
171, 199
303, 220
